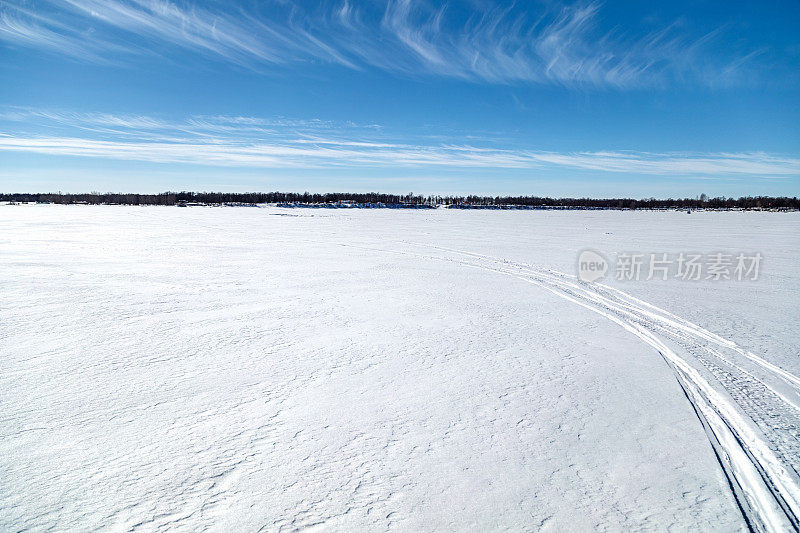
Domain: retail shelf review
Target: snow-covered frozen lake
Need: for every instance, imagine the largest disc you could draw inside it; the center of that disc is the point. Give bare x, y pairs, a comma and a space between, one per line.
240, 369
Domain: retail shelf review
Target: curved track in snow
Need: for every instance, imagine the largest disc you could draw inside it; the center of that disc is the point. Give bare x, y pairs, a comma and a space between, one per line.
749, 407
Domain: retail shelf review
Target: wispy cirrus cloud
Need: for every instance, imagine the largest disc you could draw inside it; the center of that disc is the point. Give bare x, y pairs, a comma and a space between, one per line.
564, 44
239, 141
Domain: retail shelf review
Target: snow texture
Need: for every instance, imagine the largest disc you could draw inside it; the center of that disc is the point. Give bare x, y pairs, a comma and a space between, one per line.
274, 369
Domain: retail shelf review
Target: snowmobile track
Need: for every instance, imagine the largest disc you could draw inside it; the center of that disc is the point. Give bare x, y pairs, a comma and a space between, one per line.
749, 407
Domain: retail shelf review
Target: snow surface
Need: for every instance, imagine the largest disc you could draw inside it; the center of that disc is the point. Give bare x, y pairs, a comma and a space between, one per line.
246, 369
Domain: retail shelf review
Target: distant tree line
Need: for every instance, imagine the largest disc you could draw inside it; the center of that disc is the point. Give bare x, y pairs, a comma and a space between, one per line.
372, 198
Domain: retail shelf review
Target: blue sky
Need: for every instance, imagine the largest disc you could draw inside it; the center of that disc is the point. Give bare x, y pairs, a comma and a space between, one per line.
545, 98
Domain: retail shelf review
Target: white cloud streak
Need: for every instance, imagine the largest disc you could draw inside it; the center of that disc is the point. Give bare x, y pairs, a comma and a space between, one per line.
226, 141
496, 43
